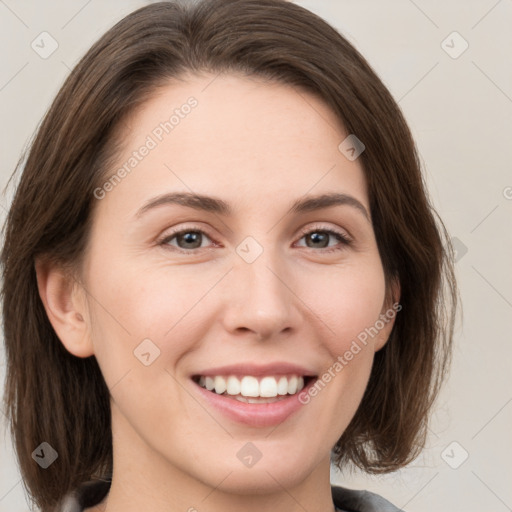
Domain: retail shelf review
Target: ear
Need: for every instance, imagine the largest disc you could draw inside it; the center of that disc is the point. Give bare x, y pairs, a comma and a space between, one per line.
64, 301
388, 313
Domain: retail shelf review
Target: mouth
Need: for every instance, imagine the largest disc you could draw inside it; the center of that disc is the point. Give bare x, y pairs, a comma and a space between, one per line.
252, 389
254, 395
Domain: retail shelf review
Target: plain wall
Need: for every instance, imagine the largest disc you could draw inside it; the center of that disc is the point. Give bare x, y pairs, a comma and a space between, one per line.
460, 112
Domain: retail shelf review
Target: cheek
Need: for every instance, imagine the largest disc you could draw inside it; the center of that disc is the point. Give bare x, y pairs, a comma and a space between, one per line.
349, 303
349, 313
141, 329
131, 305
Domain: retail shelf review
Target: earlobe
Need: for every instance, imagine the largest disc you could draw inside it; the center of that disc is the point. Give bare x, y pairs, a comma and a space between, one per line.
65, 305
388, 314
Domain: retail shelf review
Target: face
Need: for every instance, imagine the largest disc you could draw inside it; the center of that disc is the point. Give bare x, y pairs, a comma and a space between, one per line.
249, 289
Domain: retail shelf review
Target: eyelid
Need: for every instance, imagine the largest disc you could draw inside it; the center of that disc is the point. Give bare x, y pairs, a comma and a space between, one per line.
168, 235
323, 227
346, 239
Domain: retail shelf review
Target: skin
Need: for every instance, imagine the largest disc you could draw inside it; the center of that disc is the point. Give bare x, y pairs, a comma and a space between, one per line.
259, 146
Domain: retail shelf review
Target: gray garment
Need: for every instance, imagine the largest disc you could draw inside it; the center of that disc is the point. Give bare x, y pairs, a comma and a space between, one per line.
350, 500
92, 493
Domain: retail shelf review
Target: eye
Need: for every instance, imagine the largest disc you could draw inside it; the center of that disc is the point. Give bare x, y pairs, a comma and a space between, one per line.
319, 238
185, 240
191, 239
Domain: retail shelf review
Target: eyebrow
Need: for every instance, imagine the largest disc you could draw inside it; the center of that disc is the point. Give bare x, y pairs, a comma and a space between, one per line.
218, 206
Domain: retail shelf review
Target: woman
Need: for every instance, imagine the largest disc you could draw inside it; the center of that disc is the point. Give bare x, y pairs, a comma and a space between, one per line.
221, 271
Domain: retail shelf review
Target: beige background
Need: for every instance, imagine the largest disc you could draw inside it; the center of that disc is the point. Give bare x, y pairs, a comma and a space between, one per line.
460, 112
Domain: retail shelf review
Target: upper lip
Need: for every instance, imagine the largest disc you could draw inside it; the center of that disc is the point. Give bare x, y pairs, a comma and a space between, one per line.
277, 368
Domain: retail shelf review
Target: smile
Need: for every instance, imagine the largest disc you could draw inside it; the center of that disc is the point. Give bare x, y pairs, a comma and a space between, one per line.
251, 389
257, 396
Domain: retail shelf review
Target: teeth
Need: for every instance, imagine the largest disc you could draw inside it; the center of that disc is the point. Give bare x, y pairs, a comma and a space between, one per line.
250, 387
220, 385
282, 386
268, 387
241, 398
233, 386
292, 385
209, 383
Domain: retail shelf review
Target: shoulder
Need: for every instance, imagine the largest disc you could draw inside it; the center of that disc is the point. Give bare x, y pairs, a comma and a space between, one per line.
350, 500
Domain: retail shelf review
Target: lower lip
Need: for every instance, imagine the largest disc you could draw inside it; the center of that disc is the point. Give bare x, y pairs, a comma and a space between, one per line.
255, 415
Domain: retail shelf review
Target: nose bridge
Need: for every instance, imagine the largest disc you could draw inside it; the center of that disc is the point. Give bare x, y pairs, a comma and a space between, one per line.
261, 298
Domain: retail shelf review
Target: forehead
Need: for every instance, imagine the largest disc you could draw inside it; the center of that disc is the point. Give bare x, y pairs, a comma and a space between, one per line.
234, 136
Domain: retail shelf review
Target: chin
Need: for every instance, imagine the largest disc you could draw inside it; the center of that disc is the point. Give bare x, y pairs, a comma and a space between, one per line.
268, 475
258, 481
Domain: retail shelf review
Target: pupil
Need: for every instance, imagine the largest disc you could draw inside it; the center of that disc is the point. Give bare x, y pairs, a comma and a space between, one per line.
191, 237
319, 236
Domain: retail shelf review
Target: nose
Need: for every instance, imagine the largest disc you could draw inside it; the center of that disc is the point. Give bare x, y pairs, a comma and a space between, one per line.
259, 299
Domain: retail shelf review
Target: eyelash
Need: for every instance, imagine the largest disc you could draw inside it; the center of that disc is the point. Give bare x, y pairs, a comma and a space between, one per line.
342, 238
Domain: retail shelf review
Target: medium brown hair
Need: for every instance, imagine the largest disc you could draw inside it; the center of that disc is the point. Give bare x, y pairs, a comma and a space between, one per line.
53, 396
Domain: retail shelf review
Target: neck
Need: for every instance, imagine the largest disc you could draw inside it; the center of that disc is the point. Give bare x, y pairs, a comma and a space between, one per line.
130, 497
143, 479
